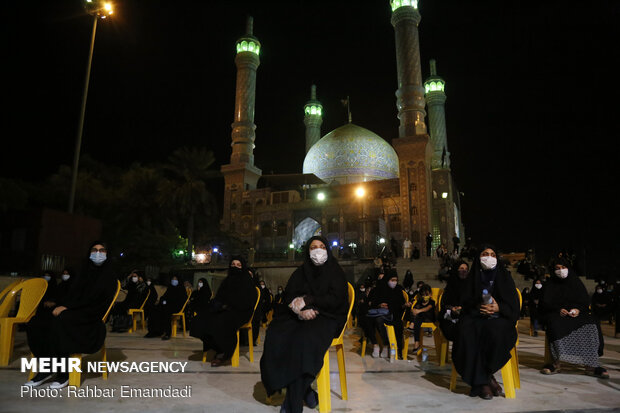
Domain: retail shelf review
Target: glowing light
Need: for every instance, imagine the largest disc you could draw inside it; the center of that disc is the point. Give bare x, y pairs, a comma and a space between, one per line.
334, 243
396, 4
248, 46
435, 86
180, 252
313, 110
320, 196
216, 249
360, 192
201, 258
381, 240
444, 195
292, 246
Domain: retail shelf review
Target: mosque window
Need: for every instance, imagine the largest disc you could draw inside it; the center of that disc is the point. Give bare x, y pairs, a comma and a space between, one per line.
414, 210
265, 229
248, 46
313, 110
281, 229
246, 208
395, 224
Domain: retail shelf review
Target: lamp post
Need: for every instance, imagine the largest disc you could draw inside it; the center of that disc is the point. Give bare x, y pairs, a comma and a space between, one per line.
360, 193
98, 10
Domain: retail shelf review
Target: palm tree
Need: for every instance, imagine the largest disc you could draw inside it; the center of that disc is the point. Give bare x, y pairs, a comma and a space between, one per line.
185, 190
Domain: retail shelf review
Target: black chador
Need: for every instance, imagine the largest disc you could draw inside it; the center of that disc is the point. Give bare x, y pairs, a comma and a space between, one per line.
294, 348
160, 321
231, 308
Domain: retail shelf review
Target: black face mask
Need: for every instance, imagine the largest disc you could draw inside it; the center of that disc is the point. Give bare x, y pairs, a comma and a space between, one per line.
235, 271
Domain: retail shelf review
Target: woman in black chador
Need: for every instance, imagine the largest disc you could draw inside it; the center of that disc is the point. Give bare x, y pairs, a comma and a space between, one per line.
231, 308
574, 335
75, 324
301, 332
451, 300
486, 331
160, 320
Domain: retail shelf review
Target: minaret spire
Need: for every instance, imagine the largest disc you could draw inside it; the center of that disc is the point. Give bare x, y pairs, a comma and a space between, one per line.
313, 118
435, 100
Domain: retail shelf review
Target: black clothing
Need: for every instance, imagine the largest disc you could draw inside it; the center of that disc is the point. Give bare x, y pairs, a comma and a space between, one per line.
50, 293
451, 297
150, 302
424, 317
602, 305
533, 304
483, 344
231, 308
63, 288
429, 245
294, 349
199, 301
160, 320
79, 328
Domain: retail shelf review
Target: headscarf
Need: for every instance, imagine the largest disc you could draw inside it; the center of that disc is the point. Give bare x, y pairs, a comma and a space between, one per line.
314, 274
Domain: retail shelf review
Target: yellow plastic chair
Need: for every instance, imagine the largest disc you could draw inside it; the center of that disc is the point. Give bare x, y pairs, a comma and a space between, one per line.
179, 316
32, 291
510, 371
440, 342
322, 380
388, 327
234, 360
391, 333
75, 377
135, 311
7, 304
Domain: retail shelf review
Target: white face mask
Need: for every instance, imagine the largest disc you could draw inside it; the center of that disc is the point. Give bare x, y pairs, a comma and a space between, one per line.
65, 277
599, 291
134, 279
392, 284
200, 285
488, 263
539, 286
563, 273
148, 283
98, 258
318, 256
47, 277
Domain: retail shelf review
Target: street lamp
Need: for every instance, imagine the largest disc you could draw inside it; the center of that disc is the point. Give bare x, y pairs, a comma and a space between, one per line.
98, 10
360, 192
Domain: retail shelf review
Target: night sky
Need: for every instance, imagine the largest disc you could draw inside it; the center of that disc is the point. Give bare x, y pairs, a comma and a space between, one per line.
531, 86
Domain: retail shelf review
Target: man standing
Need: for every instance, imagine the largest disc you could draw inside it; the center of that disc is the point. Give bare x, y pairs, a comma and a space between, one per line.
429, 244
456, 241
407, 248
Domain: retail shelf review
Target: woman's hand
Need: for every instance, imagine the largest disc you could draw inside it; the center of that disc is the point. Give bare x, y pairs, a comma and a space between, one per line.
297, 304
415, 311
58, 310
49, 304
308, 314
564, 312
573, 312
489, 309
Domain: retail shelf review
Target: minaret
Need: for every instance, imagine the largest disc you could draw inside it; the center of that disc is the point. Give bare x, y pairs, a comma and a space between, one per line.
410, 93
241, 174
435, 100
313, 118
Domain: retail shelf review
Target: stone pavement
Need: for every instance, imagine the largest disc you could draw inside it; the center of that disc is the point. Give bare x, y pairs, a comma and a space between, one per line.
374, 385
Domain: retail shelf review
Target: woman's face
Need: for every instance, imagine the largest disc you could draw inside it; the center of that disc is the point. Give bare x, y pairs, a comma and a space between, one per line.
559, 267
487, 253
236, 263
317, 244
98, 248
463, 267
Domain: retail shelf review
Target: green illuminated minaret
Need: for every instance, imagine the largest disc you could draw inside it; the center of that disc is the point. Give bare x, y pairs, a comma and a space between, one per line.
241, 174
435, 101
410, 93
313, 118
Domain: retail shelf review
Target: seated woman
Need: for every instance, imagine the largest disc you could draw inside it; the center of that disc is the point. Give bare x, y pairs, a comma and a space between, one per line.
422, 311
136, 291
199, 301
451, 299
160, 320
487, 332
302, 331
152, 300
231, 308
573, 334
533, 303
74, 325
385, 303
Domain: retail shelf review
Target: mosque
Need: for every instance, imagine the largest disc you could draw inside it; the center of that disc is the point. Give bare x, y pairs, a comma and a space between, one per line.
355, 188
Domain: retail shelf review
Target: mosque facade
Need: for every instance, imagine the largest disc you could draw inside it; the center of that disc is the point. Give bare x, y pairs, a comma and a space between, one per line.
354, 188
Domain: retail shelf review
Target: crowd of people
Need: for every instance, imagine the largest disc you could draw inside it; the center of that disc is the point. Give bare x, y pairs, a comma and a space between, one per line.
477, 311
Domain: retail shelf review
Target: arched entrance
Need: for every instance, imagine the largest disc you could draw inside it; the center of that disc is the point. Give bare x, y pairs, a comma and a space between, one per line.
306, 229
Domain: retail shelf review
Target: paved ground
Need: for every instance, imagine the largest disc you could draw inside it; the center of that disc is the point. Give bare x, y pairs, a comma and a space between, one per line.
375, 385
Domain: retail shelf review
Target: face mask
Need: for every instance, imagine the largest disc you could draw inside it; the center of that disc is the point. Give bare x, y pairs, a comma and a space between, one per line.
392, 284
318, 256
148, 283
488, 263
98, 258
134, 279
563, 273
65, 277
262, 286
47, 277
599, 291
200, 285
174, 283
362, 289
280, 291
539, 286
426, 298
463, 274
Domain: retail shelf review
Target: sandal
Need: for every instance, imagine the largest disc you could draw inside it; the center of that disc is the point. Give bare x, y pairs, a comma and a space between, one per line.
599, 372
550, 369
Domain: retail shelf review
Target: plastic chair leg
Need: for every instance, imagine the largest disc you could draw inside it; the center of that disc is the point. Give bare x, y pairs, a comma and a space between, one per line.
75, 377
323, 386
143, 320
174, 326
363, 352
405, 347
7, 336
453, 378
342, 371
514, 363
508, 379
104, 357
183, 321
234, 360
251, 344
438, 343
135, 322
392, 338
443, 354
204, 356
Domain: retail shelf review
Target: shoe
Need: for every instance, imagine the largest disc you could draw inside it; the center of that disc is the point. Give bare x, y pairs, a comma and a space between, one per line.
496, 389
375, 351
38, 379
485, 392
151, 335
61, 381
599, 372
217, 362
311, 398
165, 337
550, 369
384, 353
474, 391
